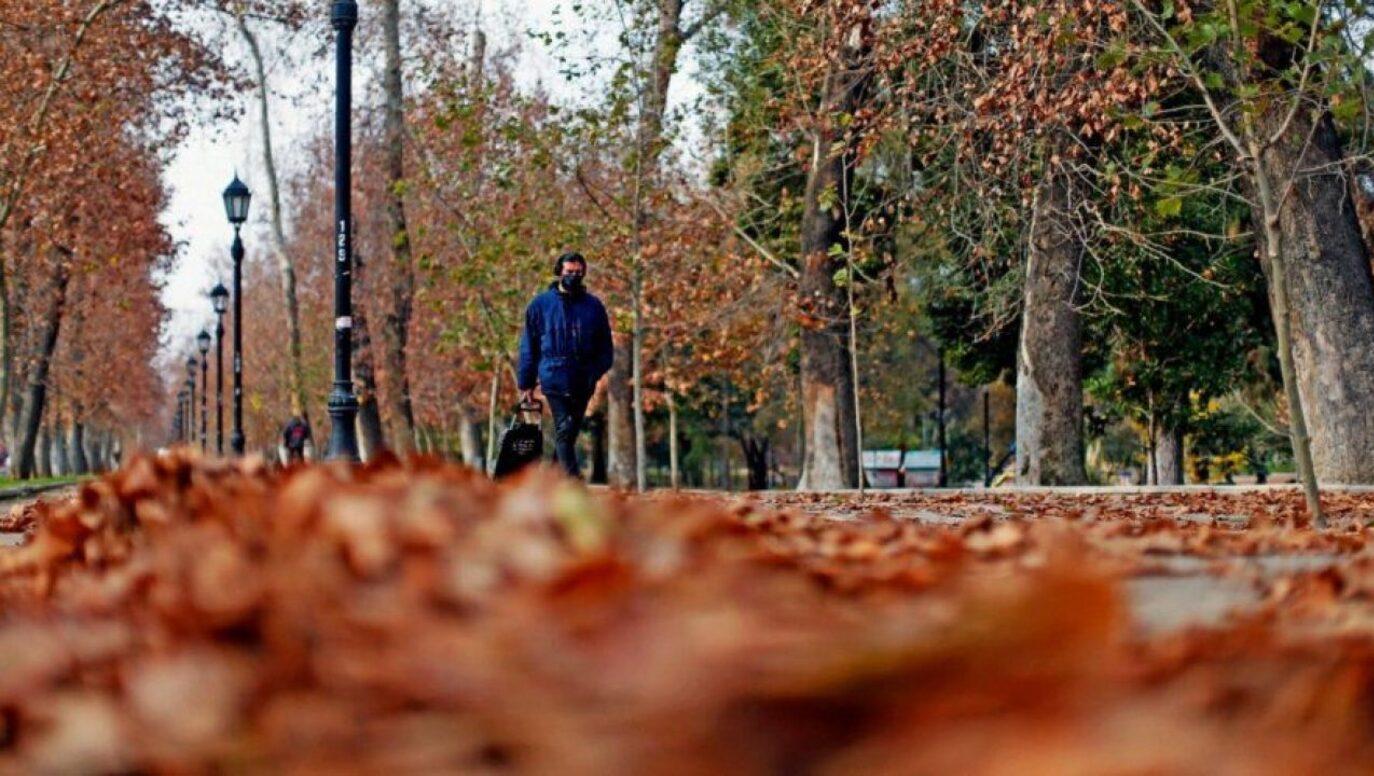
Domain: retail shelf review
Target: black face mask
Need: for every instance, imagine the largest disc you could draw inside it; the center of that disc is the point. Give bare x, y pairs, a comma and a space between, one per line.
571, 282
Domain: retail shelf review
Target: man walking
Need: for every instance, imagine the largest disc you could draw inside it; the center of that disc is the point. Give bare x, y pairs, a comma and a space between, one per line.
565, 348
294, 437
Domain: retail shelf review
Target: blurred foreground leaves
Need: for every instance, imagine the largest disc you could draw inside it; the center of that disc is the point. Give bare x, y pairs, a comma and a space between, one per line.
184, 615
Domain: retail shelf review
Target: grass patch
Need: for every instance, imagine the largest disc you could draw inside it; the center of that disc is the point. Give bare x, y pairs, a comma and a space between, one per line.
7, 483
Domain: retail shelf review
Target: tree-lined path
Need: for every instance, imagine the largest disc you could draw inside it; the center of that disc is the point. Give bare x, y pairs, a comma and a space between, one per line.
1005, 315
1135, 252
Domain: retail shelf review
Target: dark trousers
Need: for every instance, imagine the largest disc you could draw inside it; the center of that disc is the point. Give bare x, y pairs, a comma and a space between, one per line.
568, 411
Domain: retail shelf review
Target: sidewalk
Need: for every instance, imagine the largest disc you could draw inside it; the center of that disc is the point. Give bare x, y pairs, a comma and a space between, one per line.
1185, 556
1099, 490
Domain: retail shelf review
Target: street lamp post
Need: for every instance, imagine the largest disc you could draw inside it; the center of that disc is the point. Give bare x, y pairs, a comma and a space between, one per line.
191, 385
219, 299
343, 405
236, 199
178, 423
186, 411
203, 343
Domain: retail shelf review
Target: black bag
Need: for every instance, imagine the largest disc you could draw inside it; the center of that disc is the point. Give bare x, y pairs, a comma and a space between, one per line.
523, 442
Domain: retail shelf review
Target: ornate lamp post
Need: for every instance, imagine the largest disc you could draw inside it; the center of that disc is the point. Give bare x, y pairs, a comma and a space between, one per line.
343, 405
236, 199
191, 386
203, 343
219, 299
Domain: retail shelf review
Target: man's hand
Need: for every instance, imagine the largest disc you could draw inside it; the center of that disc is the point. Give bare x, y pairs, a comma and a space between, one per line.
527, 396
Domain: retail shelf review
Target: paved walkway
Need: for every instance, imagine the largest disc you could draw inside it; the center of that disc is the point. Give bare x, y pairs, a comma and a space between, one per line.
1174, 588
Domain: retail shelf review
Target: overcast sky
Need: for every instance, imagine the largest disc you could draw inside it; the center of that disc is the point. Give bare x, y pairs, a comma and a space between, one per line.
302, 85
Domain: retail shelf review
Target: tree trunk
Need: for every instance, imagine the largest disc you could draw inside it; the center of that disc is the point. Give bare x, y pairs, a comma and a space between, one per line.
1274, 259
97, 451
470, 439
37, 388
673, 470
756, 460
827, 378
43, 462
831, 449
1168, 455
62, 460
93, 451
620, 472
942, 420
16, 415
371, 440
597, 423
396, 329
637, 383
625, 402
80, 463
111, 461
1049, 382
1151, 454
286, 267
1330, 296
6, 335
668, 41
15, 368
493, 397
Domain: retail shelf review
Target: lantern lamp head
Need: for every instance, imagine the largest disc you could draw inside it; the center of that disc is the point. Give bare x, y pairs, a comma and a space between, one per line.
219, 298
236, 198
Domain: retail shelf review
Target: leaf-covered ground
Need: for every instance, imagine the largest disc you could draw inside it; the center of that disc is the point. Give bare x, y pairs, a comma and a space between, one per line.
184, 615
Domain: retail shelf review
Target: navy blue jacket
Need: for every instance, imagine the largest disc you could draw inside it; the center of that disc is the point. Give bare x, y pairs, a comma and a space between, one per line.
566, 344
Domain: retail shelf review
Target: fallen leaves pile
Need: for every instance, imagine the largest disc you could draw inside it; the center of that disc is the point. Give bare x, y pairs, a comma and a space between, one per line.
189, 615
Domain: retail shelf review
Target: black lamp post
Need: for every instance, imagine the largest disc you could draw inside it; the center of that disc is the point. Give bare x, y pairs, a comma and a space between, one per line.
343, 405
203, 343
219, 299
191, 385
236, 198
186, 416
178, 423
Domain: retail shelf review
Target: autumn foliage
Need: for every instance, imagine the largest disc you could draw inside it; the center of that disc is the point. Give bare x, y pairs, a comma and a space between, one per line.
185, 614
90, 95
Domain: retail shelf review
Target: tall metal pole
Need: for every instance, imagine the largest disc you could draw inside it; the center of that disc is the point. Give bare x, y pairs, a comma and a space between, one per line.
236, 441
219, 384
343, 405
191, 407
204, 403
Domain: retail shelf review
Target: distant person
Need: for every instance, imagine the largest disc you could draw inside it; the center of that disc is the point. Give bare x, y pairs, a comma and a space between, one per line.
565, 349
294, 438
